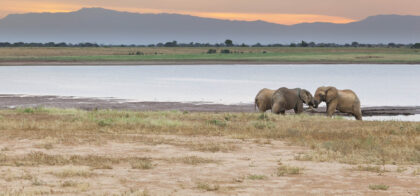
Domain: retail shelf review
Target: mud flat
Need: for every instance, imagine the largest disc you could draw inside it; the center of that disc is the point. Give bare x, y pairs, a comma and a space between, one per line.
25, 101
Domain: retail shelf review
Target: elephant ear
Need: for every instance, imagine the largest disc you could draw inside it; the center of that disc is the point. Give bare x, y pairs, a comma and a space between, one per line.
304, 96
331, 94
309, 95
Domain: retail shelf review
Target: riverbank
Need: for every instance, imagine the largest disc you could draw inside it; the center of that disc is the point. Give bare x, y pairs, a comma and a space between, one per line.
200, 55
27, 101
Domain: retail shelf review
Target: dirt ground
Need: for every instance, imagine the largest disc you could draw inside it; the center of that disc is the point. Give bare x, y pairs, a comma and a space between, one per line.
194, 165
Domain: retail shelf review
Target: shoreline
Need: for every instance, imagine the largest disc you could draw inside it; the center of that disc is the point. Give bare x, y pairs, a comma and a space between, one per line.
13, 101
189, 62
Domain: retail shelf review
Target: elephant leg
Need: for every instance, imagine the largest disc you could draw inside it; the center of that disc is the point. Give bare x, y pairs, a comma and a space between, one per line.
283, 112
331, 107
275, 108
263, 109
358, 115
298, 108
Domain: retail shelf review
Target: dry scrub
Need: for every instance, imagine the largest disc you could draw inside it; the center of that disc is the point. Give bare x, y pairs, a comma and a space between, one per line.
340, 140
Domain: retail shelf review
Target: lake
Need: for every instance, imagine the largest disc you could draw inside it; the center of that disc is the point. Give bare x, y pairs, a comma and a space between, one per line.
376, 85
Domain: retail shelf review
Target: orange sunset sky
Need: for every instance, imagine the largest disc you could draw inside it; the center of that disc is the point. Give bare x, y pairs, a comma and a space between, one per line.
276, 11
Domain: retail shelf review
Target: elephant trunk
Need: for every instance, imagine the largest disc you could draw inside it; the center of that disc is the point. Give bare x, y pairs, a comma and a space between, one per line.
315, 103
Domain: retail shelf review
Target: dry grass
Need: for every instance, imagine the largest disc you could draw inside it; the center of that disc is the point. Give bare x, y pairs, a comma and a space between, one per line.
207, 186
257, 177
340, 140
285, 170
93, 161
73, 171
416, 171
141, 163
193, 160
369, 168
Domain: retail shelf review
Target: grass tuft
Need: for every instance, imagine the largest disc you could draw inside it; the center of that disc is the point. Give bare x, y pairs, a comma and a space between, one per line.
257, 177
73, 171
285, 170
194, 160
208, 187
381, 187
141, 163
218, 123
369, 168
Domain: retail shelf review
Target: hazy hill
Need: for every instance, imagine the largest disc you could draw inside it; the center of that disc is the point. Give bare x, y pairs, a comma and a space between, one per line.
113, 27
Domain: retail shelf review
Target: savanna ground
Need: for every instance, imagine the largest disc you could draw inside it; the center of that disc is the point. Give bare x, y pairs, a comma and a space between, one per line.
106, 152
198, 55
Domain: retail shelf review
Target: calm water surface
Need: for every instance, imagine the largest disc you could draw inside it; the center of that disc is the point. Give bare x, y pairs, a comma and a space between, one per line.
376, 85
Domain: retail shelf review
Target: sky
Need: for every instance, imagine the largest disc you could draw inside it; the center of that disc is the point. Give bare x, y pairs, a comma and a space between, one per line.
276, 11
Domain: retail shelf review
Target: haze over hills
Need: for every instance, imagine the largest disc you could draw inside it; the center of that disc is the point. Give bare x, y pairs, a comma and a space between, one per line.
112, 27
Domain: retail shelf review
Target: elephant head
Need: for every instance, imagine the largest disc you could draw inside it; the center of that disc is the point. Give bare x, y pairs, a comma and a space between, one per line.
325, 93
306, 97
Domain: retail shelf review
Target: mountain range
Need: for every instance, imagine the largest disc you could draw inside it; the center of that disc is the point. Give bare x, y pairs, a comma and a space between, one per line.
105, 26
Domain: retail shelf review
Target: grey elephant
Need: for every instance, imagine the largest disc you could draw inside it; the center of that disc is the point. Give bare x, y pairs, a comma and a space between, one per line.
263, 99
286, 99
345, 101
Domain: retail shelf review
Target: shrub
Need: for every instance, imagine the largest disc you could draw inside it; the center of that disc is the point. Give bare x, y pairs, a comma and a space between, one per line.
211, 51
416, 46
225, 51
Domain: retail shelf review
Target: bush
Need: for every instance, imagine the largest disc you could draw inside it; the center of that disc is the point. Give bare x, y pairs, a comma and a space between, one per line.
225, 51
211, 51
416, 46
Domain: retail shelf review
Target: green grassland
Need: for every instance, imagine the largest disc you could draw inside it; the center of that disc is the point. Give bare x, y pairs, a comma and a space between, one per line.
151, 55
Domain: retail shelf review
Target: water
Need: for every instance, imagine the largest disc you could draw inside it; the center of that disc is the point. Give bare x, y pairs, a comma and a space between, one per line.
413, 118
376, 85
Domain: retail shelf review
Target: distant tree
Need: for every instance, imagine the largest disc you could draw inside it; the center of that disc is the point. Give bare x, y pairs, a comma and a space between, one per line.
18, 44
416, 46
304, 44
244, 45
5, 44
355, 44
61, 44
292, 45
257, 45
171, 44
229, 43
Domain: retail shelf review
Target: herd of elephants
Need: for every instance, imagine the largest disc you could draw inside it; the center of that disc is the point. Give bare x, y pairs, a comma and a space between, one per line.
283, 99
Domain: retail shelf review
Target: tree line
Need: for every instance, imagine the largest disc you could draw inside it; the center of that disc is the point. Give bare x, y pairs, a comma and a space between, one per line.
227, 43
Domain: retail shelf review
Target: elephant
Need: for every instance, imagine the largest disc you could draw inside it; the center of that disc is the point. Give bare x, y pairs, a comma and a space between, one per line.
286, 99
263, 99
345, 101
